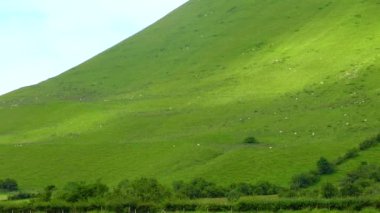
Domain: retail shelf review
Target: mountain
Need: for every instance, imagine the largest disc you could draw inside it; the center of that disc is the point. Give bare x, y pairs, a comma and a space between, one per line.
177, 100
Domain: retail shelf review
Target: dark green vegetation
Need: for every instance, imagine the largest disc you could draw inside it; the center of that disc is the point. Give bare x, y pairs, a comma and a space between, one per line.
250, 140
177, 100
8, 185
324, 167
148, 195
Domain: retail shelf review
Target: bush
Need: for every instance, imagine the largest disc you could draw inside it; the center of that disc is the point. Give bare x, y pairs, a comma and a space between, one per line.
251, 140
145, 190
358, 180
148, 190
8, 185
198, 188
243, 188
265, 188
364, 171
78, 191
369, 143
325, 167
21, 196
352, 153
350, 190
328, 190
378, 138
47, 193
304, 180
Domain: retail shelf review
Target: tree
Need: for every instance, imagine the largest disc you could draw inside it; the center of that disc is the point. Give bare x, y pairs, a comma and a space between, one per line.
76, 191
149, 190
198, 188
141, 190
328, 190
325, 167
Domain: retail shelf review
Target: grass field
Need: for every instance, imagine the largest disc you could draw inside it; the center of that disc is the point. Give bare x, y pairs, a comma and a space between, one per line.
176, 100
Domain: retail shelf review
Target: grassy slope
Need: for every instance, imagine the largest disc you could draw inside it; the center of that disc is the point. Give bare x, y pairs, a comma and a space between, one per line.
211, 73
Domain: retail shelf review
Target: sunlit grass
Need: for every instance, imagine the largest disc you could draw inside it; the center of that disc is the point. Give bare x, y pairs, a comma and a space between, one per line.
177, 100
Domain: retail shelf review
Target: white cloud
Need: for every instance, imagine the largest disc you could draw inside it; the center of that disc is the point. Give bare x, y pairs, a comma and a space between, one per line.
42, 38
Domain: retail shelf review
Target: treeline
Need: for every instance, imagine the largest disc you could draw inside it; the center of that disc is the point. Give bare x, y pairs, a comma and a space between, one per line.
148, 195
325, 167
363, 181
150, 190
143, 194
200, 188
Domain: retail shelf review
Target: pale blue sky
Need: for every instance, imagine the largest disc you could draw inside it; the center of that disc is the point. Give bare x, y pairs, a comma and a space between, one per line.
41, 38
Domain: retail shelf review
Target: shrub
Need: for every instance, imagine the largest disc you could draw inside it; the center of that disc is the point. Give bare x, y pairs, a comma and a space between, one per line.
8, 185
179, 188
378, 138
148, 190
364, 171
77, 191
358, 180
242, 188
304, 180
325, 167
265, 188
350, 190
21, 196
352, 153
369, 143
199, 188
328, 190
145, 190
47, 193
251, 140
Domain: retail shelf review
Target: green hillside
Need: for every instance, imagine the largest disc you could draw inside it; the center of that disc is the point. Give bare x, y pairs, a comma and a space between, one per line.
176, 100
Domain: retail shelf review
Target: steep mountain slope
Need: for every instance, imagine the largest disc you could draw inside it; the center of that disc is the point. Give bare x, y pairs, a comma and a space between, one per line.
176, 100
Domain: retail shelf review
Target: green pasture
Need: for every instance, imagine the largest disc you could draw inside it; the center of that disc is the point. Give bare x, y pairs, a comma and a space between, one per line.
176, 100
